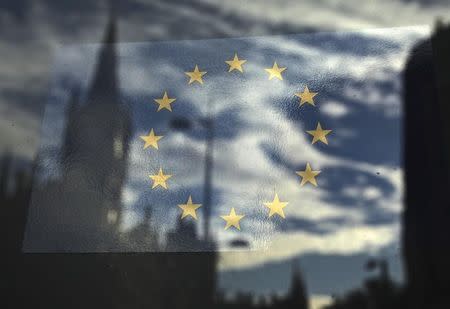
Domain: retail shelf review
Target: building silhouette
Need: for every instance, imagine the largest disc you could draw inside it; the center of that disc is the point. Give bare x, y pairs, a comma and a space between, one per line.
378, 291
426, 232
95, 154
295, 297
82, 214
83, 208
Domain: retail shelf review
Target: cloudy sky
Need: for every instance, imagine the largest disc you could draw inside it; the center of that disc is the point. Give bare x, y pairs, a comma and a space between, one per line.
261, 140
33, 31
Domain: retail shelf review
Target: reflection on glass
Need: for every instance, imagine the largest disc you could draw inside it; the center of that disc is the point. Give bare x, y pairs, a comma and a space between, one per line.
235, 144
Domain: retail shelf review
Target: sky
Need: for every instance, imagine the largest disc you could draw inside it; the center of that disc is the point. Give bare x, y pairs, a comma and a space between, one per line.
32, 32
261, 141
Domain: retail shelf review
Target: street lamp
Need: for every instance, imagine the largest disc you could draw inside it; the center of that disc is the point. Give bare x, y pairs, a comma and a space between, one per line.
184, 124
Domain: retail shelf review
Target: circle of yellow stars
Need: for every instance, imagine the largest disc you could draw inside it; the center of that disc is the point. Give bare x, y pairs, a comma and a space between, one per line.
276, 206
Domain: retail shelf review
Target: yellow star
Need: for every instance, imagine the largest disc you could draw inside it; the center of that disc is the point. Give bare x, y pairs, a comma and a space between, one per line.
308, 175
236, 64
189, 209
165, 102
276, 207
159, 179
306, 96
196, 75
232, 219
275, 71
319, 134
151, 139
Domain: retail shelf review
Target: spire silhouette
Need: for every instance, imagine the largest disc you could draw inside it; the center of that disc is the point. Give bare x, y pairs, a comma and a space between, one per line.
297, 292
104, 84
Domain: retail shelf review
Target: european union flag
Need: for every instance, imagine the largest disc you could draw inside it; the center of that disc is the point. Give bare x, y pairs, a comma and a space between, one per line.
288, 143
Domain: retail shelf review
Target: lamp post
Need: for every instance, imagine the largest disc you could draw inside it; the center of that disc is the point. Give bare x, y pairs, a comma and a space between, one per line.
207, 123
184, 124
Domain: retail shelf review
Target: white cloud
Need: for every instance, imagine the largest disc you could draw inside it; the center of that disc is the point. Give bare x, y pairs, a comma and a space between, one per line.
345, 241
334, 109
